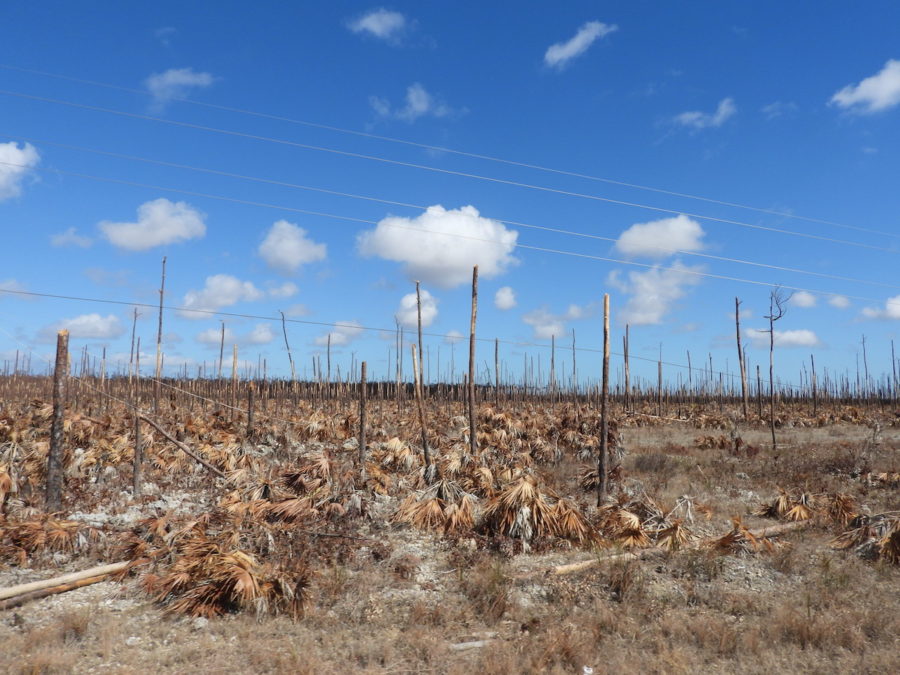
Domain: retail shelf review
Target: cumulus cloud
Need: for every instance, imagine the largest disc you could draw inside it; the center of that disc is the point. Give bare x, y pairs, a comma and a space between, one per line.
344, 332
427, 247
419, 103
839, 301
285, 290
803, 299
175, 83
88, 326
159, 223
778, 109
407, 312
546, 324
661, 238
558, 55
873, 94
784, 338
286, 247
260, 334
453, 337
891, 310
70, 238
696, 119
653, 293
381, 23
505, 298
15, 164
221, 290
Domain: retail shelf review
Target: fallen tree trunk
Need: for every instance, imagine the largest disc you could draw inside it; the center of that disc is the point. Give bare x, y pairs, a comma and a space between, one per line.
99, 571
17, 600
574, 568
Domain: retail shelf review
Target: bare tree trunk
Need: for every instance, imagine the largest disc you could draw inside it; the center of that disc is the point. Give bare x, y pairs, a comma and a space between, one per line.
743, 366
221, 351
362, 423
55, 457
496, 372
421, 348
137, 471
162, 291
603, 462
420, 405
473, 441
814, 383
627, 370
288, 348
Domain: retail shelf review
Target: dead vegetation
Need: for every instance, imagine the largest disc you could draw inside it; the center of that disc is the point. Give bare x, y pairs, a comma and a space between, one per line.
391, 572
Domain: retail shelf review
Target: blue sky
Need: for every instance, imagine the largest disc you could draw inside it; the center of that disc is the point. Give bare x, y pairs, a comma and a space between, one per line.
793, 111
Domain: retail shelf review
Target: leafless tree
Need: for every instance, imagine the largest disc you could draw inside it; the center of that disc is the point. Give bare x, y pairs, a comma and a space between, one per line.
777, 308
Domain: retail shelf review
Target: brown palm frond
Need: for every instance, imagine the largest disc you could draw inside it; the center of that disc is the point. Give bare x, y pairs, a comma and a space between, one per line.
741, 540
571, 524
674, 537
291, 510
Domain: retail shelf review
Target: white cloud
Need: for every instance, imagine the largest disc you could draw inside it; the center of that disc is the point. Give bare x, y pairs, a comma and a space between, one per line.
344, 332
559, 54
546, 324
221, 290
429, 251
419, 103
15, 164
873, 94
212, 337
407, 312
839, 301
661, 238
778, 109
159, 223
653, 293
286, 247
891, 310
454, 336
297, 310
696, 119
165, 34
803, 299
70, 238
381, 23
505, 298
787, 338
285, 290
175, 83
261, 334
88, 326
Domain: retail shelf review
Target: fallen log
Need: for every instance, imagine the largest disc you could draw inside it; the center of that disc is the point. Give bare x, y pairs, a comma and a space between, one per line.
574, 568
17, 600
99, 571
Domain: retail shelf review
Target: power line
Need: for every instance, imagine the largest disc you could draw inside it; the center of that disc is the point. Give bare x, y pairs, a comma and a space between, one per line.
461, 153
423, 167
350, 195
679, 270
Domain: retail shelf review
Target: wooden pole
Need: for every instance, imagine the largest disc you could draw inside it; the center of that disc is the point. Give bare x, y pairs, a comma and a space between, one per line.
137, 471
421, 366
55, 456
162, 291
420, 404
362, 423
627, 370
473, 442
603, 462
743, 366
288, 348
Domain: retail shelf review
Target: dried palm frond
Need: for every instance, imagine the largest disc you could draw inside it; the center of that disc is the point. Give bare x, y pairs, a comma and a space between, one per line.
872, 537
741, 540
571, 524
674, 537
521, 510
292, 509
460, 517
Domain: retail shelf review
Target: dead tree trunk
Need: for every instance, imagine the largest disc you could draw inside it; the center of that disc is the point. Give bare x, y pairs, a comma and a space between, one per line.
473, 441
55, 456
362, 423
603, 461
741, 363
420, 405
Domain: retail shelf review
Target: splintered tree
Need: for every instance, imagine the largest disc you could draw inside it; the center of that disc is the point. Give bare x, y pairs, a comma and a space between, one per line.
777, 302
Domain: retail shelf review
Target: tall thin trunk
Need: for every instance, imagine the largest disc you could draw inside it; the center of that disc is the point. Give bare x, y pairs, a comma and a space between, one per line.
603, 461
473, 442
55, 455
288, 348
743, 366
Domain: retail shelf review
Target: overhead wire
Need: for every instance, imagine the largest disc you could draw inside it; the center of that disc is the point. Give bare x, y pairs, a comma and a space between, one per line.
677, 269
424, 167
444, 149
350, 195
